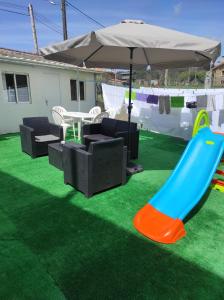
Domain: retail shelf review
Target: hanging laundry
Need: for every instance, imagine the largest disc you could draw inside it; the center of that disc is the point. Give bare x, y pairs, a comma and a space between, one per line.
191, 104
202, 101
141, 97
190, 98
167, 104
217, 118
153, 99
133, 95
177, 101
219, 102
210, 102
164, 104
161, 105
221, 117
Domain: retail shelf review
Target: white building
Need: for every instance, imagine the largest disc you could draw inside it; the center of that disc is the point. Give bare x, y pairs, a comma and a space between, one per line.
31, 85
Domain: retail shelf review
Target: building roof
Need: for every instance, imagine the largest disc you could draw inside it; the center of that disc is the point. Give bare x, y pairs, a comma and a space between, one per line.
16, 56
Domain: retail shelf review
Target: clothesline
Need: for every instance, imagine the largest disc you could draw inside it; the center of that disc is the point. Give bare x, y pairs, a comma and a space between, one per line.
181, 92
171, 112
212, 99
210, 102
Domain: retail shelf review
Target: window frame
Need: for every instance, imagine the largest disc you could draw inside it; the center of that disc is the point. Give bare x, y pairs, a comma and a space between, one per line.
84, 90
15, 83
78, 89
72, 79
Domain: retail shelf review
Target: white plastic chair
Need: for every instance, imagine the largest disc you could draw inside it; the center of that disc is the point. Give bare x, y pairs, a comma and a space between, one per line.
98, 118
111, 112
96, 110
59, 119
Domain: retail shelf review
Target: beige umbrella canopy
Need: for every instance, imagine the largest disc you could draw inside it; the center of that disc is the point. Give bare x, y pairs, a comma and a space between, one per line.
155, 46
135, 43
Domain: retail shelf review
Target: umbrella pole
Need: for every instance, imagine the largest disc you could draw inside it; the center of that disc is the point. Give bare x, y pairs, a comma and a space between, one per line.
132, 168
130, 92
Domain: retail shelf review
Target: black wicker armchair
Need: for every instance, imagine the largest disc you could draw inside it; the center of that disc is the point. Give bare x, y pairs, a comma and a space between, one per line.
36, 133
101, 167
112, 128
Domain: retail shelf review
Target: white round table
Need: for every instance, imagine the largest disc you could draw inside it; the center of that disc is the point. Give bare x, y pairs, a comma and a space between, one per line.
78, 117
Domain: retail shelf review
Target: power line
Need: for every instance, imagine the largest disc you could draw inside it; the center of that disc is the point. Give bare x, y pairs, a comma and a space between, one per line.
41, 17
84, 14
10, 4
44, 19
77, 9
45, 24
38, 18
14, 12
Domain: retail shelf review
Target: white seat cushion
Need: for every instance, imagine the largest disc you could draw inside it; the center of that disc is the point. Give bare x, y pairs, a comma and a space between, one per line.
46, 138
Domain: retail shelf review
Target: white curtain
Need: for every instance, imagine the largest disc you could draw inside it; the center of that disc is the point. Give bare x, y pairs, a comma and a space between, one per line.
113, 97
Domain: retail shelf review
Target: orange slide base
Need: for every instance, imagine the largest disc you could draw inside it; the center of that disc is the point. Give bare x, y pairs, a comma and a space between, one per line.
158, 226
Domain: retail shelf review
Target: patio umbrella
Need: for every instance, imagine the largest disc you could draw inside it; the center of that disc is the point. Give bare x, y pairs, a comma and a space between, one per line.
135, 43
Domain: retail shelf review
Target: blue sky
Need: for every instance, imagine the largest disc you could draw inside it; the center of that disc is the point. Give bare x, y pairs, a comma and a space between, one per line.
199, 17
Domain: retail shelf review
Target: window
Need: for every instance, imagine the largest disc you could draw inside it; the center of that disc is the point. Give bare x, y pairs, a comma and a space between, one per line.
223, 73
16, 87
73, 88
74, 91
82, 90
10, 87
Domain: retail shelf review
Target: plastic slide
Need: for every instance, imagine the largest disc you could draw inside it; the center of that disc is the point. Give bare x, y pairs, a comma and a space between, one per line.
161, 219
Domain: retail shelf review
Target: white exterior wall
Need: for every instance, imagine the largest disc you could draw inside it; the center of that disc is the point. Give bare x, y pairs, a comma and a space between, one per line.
48, 87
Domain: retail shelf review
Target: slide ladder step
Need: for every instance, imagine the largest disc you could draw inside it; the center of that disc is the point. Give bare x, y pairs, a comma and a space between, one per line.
217, 183
220, 172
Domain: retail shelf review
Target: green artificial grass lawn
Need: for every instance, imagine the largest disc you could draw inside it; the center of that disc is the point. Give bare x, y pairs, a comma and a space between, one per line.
57, 244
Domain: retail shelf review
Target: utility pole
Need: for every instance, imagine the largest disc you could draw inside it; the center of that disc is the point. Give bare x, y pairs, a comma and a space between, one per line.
33, 26
64, 19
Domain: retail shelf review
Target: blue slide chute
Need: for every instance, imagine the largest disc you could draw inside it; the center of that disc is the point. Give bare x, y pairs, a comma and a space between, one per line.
162, 218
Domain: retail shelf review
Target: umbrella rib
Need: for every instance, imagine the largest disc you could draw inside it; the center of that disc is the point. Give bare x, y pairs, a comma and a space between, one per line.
146, 57
205, 56
93, 53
